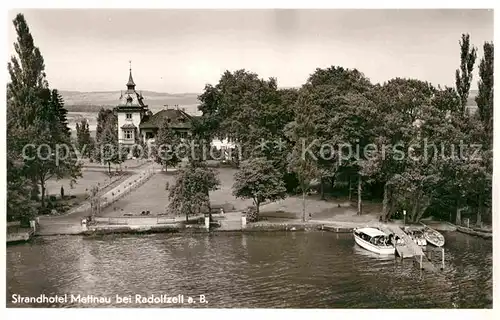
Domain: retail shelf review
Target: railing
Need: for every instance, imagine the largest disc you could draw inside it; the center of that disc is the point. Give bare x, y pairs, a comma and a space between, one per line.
137, 220
129, 185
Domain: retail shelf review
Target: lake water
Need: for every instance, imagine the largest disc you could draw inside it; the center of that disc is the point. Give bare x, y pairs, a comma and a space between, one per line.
264, 270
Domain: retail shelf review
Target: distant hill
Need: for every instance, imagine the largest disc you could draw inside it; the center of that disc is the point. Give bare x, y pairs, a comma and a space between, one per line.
92, 101
86, 105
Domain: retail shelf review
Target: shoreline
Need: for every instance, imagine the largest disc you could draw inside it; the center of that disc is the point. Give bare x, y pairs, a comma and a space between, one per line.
182, 227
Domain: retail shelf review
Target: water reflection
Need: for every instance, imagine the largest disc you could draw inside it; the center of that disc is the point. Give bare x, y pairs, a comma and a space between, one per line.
297, 269
363, 252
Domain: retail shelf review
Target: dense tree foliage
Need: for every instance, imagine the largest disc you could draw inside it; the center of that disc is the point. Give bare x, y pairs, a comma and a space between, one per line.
406, 141
110, 151
106, 147
260, 181
103, 116
463, 76
167, 146
484, 98
190, 193
38, 144
83, 139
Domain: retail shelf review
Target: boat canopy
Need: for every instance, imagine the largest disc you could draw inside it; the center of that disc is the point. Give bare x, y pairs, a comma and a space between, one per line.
372, 232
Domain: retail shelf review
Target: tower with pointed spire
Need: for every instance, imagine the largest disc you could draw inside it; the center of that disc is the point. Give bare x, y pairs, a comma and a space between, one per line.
130, 111
130, 83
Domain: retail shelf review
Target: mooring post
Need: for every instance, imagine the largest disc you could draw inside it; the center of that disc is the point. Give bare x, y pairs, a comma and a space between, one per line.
33, 225
243, 221
207, 221
442, 258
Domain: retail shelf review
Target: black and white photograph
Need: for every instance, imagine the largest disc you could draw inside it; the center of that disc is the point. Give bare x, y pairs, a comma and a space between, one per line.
249, 158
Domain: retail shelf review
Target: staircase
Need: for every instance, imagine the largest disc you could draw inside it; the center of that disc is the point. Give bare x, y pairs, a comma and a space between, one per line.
231, 221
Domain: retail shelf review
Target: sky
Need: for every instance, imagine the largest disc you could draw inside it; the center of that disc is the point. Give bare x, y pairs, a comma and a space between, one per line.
179, 51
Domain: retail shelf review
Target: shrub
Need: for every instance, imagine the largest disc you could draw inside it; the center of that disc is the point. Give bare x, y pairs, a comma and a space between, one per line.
251, 214
44, 211
50, 205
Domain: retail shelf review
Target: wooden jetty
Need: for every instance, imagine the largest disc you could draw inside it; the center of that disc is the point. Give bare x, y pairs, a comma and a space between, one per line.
477, 233
410, 249
336, 229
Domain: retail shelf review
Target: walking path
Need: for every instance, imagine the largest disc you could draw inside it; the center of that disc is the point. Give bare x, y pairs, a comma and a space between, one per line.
70, 223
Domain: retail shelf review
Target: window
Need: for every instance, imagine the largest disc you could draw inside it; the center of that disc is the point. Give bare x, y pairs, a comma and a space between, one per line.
128, 134
183, 135
128, 116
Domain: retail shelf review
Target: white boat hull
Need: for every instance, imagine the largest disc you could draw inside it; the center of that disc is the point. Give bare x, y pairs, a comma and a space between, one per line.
373, 248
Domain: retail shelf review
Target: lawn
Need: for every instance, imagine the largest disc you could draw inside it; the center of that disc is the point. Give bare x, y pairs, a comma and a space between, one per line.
152, 196
88, 179
316, 209
225, 193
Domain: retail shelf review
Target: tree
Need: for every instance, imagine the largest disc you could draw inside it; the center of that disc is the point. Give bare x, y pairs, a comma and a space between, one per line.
463, 76
95, 201
36, 115
354, 126
20, 206
258, 180
303, 133
27, 70
103, 117
109, 149
484, 98
190, 193
463, 80
252, 113
210, 122
83, 137
167, 146
236, 108
106, 120
333, 111
400, 104
57, 102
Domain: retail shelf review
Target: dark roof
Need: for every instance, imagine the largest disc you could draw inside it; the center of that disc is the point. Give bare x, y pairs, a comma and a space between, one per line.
178, 119
128, 126
131, 98
130, 82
